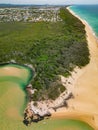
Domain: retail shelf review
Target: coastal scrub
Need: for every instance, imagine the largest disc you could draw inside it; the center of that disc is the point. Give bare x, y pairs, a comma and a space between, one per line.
53, 48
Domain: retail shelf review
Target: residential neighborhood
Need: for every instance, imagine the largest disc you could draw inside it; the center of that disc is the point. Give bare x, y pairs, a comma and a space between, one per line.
30, 14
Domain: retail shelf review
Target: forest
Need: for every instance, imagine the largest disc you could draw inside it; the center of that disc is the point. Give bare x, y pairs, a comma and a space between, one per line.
52, 48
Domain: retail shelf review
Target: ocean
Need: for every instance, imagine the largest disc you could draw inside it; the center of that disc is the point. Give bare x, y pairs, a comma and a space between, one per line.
88, 13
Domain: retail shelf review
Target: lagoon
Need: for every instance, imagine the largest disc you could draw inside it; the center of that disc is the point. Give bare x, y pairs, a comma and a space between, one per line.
13, 80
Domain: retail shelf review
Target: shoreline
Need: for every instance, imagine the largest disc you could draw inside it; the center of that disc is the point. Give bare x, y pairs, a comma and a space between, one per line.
84, 105
75, 84
78, 107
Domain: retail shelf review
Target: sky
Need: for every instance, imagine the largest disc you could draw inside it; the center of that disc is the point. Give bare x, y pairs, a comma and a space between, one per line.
49, 1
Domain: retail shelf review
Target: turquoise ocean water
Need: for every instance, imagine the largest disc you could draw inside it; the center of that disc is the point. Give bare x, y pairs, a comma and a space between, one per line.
88, 13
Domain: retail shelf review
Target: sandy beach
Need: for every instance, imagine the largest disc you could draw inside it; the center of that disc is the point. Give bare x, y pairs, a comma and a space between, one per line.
84, 86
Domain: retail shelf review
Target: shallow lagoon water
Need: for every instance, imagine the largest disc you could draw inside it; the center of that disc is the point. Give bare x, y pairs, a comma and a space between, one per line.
13, 80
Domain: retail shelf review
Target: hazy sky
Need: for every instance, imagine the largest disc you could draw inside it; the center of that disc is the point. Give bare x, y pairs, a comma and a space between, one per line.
50, 1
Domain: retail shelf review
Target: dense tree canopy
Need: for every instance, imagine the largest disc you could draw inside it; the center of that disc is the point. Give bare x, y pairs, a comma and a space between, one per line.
53, 48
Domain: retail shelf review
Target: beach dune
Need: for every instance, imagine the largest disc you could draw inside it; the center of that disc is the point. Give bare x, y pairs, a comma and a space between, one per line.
85, 88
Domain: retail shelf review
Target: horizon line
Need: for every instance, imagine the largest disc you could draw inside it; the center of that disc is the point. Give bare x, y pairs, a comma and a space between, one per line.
41, 4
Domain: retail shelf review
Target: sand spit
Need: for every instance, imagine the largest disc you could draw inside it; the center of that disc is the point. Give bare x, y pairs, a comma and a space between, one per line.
42, 109
85, 86
82, 85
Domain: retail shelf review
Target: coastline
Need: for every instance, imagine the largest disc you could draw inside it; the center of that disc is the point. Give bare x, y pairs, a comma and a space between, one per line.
84, 105
73, 111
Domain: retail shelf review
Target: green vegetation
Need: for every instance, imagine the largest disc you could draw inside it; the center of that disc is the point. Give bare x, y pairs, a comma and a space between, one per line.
12, 105
52, 48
